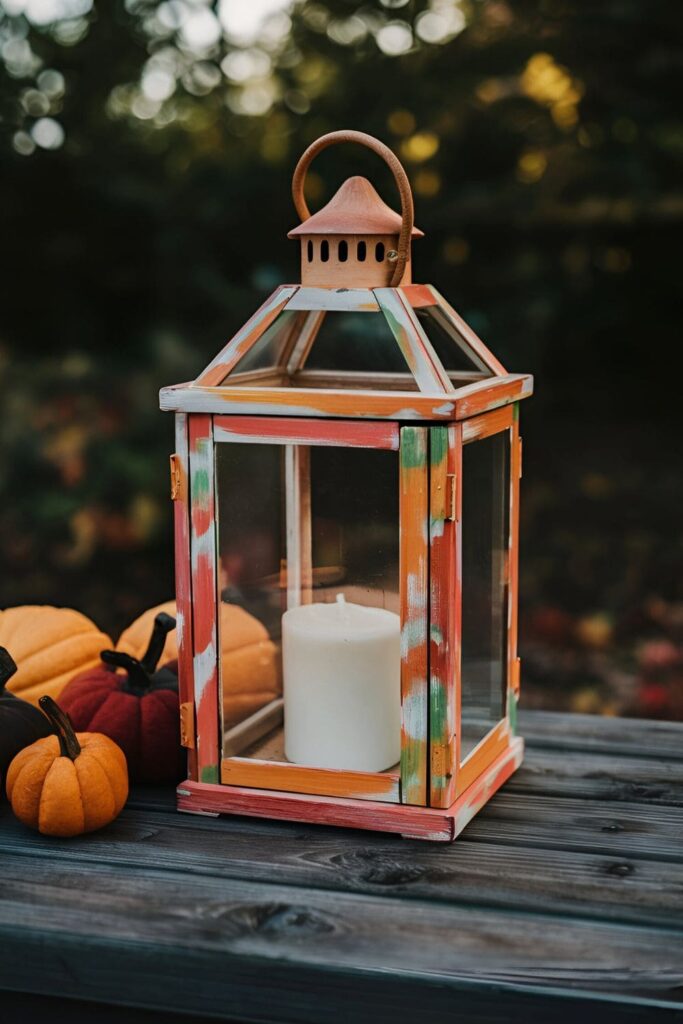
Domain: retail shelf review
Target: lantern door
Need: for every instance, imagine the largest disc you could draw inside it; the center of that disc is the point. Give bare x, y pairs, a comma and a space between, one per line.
474, 669
310, 655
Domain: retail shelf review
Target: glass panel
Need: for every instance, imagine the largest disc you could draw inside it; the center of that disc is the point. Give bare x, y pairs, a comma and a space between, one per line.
250, 497
360, 342
446, 341
338, 652
268, 351
485, 496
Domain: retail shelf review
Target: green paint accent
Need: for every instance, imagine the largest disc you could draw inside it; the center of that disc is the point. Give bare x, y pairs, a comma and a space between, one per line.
439, 439
438, 712
396, 328
209, 773
512, 711
413, 449
435, 634
412, 759
201, 486
515, 410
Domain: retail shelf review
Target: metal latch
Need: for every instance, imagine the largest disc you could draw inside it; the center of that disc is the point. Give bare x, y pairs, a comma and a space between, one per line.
451, 505
187, 725
175, 477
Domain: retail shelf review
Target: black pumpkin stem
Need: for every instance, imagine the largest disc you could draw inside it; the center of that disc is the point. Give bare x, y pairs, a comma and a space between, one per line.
68, 743
140, 670
163, 624
8, 667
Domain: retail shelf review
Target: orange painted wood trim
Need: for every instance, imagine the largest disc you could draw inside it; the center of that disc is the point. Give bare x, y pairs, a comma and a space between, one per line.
203, 560
428, 350
418, 295
338, 433
414, 599
513, 568
444, 606
294, 778
490, 393
248, 335
305, 402
470, 400
429, 823
487, 424
183, 581
495, 743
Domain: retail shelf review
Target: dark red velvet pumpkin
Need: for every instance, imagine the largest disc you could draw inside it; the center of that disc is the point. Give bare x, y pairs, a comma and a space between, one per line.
20, 722
136, 707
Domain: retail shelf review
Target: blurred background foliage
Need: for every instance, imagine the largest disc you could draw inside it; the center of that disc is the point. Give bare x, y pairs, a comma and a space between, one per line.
146, 150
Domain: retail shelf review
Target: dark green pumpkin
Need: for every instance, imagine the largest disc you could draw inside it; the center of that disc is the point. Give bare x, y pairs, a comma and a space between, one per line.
20, 723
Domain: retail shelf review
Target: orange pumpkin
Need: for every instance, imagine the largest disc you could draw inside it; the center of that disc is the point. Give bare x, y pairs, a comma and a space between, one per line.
249, 660
69, 783
50, 645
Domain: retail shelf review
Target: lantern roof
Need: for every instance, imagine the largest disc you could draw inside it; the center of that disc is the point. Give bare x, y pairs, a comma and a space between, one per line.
351, 343
355, 209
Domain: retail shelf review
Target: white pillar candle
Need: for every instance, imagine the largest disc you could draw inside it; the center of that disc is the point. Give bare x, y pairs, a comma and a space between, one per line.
342, 686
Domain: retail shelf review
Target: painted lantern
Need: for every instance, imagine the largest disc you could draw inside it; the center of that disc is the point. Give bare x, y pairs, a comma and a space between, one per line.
346, 485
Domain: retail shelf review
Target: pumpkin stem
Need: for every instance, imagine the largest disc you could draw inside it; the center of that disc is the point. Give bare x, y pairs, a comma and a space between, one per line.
140, 670
68, 743
163, 624
8, 667
138, 681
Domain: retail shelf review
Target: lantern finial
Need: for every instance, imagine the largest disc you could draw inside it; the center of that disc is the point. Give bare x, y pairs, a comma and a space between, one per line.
356, 240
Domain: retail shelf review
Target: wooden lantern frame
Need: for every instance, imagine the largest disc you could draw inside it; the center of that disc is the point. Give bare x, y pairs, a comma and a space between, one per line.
427, 419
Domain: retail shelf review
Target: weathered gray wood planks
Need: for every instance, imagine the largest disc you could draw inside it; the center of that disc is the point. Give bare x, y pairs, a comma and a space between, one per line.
563, 900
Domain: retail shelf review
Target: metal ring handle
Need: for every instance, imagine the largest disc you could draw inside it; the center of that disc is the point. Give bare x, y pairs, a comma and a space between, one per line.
396, 168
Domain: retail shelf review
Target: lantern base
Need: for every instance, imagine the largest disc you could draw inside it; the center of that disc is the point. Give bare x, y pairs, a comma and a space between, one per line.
431, 823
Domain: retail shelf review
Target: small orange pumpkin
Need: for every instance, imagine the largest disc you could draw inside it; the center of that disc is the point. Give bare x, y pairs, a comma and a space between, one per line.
70, 783
50, 645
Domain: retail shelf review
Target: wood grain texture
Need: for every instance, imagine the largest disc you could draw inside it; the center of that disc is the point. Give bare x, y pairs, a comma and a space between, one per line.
306, 795
444, 612
561, 901
401, 406
340, 433
414, 597
183, 578
353, 300
205, 641
294, 778
513, 665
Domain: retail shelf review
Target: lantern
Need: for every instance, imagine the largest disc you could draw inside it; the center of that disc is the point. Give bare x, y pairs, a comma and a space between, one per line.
346, 482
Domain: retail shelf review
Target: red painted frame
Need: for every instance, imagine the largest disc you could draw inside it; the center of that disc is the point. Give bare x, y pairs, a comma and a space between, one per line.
205, 432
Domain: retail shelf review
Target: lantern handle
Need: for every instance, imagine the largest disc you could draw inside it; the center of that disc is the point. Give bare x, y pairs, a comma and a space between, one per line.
396, 168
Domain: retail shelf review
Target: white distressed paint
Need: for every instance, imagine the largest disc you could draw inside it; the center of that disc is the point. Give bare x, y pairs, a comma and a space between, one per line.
204, 665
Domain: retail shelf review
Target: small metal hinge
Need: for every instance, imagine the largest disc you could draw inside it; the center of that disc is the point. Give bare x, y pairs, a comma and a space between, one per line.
187, 738
516, 674
175, 478
451, 504
439, 760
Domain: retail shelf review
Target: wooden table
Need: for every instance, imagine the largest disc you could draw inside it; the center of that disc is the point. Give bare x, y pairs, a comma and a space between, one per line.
560, 902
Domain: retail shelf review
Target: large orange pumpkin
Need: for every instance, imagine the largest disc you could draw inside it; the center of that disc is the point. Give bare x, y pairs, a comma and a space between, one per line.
50, 645
70, 783
250, 663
